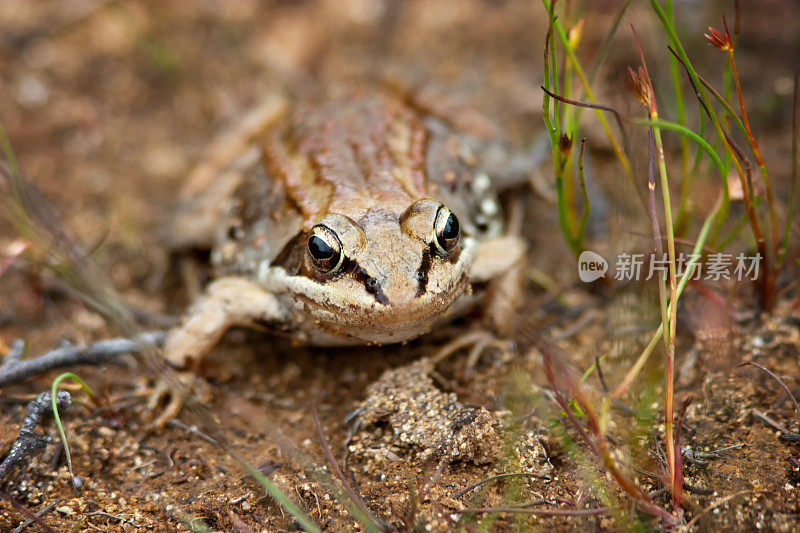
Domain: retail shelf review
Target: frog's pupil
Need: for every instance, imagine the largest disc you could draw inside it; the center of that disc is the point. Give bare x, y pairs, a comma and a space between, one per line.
320, 250
451, 227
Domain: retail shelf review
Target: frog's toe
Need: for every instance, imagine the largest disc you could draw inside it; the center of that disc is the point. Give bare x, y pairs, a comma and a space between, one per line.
176, 390
479, 342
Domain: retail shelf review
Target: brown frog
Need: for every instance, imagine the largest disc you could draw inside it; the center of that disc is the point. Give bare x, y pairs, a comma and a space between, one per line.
359, 219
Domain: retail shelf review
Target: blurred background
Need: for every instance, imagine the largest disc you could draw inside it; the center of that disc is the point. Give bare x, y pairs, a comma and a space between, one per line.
109, 104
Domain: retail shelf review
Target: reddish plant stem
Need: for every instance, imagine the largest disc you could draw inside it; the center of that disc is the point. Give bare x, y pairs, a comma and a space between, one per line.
769, 275
596, 440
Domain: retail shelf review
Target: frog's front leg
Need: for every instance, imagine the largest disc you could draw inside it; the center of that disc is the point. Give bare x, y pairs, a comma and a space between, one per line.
500, 262
227, 302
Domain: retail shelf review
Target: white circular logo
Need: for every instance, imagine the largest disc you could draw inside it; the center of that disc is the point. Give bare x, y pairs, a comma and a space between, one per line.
591, 266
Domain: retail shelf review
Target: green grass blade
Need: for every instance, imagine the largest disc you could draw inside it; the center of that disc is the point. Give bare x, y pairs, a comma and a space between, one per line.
62, 435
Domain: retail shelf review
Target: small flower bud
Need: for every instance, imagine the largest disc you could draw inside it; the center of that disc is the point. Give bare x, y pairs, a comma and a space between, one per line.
722, 41
574, 35
639, 86
564, 144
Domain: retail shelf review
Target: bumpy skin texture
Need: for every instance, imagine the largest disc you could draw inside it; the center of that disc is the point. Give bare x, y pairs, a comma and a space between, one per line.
373, 170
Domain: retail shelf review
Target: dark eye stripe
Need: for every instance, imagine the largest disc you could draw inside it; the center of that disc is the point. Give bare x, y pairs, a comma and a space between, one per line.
422, 272
371, 285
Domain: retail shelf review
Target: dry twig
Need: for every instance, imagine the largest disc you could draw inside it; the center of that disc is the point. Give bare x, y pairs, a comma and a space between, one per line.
15, 369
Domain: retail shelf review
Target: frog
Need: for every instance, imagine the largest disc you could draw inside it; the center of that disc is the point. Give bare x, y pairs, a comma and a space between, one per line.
361, 218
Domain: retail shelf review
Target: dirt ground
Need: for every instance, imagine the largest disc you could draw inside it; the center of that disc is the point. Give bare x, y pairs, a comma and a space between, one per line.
109, 105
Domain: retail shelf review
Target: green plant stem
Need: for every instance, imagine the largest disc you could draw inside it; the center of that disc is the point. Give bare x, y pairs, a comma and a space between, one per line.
669, 376
658, 248
584, 195
553, 130
793, 187
640, 362
702, 144
745, 182
62, 435
566, 89
719, 212
724, 103
559, 29
686, 185
656, 338
591, 369
680, 111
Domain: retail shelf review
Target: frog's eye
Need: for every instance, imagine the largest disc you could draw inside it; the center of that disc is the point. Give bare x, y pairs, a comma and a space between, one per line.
446, 231
325, 249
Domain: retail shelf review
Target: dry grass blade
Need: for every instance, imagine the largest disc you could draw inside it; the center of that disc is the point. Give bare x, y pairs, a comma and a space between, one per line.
540, 512
690, 523
774, 376
477, 484
376, 523
40, 513
777, 426
24, 510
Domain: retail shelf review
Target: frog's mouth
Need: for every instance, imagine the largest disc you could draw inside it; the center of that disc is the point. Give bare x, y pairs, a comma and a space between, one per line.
379, 323
363, 309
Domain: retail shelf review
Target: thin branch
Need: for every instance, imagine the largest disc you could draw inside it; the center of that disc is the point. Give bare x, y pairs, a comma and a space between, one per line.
600, 374
600, 107
703, 491
98, 353
175, 423
771, 374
